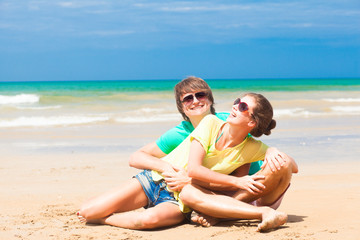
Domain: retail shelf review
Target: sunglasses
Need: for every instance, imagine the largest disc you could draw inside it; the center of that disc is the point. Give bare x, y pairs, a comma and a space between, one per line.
200, 96
243, 107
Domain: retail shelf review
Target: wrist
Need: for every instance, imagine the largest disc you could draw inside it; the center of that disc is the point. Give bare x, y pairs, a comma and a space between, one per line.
189, 180
234, 182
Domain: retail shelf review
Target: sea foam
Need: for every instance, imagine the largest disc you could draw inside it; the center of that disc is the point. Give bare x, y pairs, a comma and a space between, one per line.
51, 121
146, 119
19, 99
344, 100
291, 112
346, 109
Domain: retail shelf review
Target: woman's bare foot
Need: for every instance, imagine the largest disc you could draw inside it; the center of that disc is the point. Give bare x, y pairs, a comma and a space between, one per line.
272, 219
204, 220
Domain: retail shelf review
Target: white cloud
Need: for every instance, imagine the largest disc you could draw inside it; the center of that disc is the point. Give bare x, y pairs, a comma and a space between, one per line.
109, 33
66, 4
191, 6
82, 4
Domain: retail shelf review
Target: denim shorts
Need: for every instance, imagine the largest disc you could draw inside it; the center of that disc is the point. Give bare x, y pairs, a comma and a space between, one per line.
156, 192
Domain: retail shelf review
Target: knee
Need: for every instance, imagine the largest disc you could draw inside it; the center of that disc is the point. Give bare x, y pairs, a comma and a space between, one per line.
285, 167
149, 221
289, 166
188, 195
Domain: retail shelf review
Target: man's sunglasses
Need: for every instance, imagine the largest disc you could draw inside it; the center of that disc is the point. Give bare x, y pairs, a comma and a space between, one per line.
243, 107
200, 96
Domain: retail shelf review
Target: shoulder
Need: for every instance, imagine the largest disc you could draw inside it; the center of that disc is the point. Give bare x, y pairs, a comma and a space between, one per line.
210, 118
174, 136
256, 142
184, 128
210, 121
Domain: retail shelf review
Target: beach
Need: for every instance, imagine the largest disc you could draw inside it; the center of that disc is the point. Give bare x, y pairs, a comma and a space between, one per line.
56, 153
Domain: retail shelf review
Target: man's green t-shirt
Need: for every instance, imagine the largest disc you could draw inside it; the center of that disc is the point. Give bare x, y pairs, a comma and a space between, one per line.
173, 137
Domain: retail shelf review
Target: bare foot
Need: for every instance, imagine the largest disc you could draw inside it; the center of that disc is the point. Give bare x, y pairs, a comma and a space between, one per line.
91, 221
81, 218
204, 220
272, 219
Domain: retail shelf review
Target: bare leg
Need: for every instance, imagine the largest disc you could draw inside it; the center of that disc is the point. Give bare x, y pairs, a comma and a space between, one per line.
128, 197
162, 215
221, 206
276, 184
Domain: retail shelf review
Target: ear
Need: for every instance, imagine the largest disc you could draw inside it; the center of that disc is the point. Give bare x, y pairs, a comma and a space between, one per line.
252, 124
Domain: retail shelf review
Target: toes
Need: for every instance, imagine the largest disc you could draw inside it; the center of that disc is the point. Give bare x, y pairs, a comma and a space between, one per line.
195, 218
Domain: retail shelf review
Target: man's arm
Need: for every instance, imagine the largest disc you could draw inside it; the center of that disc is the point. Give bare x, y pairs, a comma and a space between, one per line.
148, 157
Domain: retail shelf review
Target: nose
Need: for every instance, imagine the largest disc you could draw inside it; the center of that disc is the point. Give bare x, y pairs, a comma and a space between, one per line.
195, 100
235, 107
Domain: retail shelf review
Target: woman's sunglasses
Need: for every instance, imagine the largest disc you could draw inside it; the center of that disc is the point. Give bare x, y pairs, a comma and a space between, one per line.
200, 96
243, 107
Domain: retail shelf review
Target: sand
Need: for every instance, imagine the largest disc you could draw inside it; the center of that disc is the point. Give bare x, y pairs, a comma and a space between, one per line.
41, 190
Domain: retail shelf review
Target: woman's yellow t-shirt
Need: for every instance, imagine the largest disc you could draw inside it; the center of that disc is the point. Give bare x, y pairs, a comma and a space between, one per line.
224, 161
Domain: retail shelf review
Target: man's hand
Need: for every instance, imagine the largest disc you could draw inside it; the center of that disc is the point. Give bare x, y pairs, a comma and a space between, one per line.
176, 179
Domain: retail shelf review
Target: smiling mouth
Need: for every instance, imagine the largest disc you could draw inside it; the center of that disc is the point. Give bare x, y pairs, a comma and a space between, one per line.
197, 107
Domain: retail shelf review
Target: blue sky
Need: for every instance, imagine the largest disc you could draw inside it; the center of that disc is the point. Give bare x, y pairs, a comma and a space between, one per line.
116, 40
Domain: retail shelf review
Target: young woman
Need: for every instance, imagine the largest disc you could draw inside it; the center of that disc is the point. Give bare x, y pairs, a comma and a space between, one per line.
213, 146
273, 185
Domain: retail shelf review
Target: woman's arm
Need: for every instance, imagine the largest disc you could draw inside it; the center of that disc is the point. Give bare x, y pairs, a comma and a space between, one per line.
148, 157
177, 180
239, 172
197, 171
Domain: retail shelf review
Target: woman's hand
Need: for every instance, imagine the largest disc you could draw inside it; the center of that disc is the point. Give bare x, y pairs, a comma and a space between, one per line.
176, 179
250, 183
274, 158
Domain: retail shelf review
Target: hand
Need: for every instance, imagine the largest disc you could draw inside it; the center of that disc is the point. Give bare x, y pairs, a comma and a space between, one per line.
274, 158
176, 179
169, 168
250, 183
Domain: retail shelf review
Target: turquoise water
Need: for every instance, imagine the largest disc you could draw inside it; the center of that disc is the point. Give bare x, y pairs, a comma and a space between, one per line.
107, 87
82, 103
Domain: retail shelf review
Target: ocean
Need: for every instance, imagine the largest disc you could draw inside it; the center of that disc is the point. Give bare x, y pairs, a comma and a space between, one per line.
82, 103
314, 116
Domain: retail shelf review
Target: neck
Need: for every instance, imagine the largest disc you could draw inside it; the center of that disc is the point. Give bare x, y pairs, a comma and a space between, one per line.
196, 120
234, 135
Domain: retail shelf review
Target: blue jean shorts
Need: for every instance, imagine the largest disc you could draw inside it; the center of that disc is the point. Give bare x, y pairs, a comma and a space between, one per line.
156, 192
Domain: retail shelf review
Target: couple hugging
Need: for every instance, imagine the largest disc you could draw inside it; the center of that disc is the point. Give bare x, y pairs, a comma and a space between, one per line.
210, 165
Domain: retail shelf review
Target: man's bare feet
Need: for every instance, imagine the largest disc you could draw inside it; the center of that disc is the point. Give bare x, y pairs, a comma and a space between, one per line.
204, 220
81, 218
92, 221
272, 219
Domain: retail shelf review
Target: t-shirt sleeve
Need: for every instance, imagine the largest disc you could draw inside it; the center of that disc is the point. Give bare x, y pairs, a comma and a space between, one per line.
204, 131
260, 154
169, 141
173, 137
